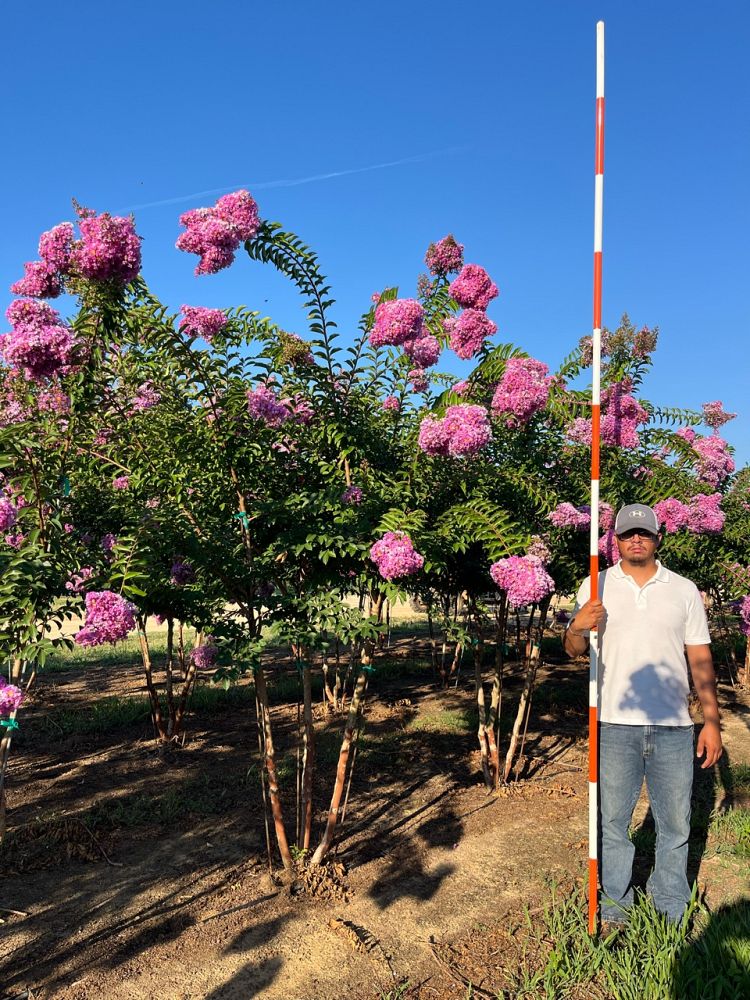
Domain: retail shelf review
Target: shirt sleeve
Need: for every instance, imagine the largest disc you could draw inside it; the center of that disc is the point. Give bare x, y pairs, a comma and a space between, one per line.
696, 625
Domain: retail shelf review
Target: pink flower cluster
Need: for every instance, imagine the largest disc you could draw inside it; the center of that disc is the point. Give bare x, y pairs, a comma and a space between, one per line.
463, 431
109, 248
182, 573
76, 582
200, 321
109, 617
53, 400
397, 322
39, 342
38, 281
608, 547
701, 515
43, 279
10, 698
539, 549
523, 578
714, 461
121, 483
745, 615
395, 556
469, 331
473, 288
204, 657
423, 352
352, 494
214, 234
462, 388
622, 413
565, 515
8, 513
522, 391
264, 405
418, 379
714, 414
391, 403
146, 397
444, 256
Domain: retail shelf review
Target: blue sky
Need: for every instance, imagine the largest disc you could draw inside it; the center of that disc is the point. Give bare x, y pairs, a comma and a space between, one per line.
487, 110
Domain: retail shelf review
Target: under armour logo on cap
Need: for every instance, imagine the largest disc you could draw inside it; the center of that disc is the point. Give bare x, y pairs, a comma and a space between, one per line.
636, 515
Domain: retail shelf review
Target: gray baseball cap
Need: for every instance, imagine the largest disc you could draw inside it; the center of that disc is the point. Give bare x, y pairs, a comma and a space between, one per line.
636, 515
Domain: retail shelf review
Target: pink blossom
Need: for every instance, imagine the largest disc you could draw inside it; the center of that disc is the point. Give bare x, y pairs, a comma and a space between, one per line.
39, 343
422, 352
200, 321
204, 657
672, 513
433, 436
8, 513
539, 549
10, 698
181, 573
265, 406
214, 234
473, 288
463, 431
391, 403
462, 388
418, 379
153, 504
109, 617
687, 434
586, 345
468, 332
522, 391
714, 461
76, 582
396, 322
15, 541
53, 400
121, 483
745, 615
703, 514
608, 547
108, 542
38, 281
444, 256
714, 414
56, 247
352, 494
565, 515
523, 578
302, 410
146, 397
109, 248
395, 556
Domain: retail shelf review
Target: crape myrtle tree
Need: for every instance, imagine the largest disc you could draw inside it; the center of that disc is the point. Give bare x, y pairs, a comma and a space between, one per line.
215, 470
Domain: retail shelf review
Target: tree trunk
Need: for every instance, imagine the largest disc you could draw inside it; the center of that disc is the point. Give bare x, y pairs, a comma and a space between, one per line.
528, 687
169, 666
153, 694
484, 744
270, 765
308, 755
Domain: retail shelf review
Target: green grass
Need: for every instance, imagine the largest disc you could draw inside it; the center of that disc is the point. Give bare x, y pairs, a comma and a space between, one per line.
729, 832
127, 651
447, 720
649, 959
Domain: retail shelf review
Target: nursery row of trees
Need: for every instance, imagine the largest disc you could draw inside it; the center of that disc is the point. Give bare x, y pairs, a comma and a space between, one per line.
214, 470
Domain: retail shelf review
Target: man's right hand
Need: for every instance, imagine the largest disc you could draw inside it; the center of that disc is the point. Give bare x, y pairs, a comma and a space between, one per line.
590, 615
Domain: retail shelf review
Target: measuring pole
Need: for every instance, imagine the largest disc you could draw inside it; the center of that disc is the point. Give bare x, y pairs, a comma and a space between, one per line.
595, 437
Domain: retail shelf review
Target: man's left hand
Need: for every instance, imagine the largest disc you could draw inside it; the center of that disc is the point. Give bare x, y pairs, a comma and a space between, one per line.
709, 743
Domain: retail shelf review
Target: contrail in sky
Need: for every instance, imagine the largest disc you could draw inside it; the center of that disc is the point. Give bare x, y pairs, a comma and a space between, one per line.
296, 181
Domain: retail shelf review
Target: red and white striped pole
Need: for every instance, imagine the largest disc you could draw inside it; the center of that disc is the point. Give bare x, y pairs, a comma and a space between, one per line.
595, 435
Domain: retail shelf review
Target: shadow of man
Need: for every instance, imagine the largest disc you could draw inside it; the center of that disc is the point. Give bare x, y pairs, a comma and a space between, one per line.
716, 961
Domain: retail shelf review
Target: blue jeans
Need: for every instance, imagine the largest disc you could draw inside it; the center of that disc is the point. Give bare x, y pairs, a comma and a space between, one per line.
664, 756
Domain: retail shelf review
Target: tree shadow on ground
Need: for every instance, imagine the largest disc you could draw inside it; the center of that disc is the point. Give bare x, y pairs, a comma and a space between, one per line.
715, 962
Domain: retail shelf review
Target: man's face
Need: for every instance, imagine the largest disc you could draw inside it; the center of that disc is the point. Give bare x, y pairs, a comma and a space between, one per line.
637, 546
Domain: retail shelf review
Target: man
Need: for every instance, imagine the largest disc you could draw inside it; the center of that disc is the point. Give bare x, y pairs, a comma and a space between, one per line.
647, 618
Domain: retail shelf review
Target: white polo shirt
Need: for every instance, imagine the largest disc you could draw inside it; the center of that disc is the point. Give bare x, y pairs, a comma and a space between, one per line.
643, 677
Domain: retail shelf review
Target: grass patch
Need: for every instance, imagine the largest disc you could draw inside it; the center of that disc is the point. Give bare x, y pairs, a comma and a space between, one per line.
649, 959
125, 652
100, 716
447, 720
729, 832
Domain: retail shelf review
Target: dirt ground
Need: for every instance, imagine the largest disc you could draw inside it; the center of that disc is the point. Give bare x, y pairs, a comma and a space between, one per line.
129, 876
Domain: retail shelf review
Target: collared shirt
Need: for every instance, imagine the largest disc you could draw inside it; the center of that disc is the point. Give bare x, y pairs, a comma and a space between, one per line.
643, 678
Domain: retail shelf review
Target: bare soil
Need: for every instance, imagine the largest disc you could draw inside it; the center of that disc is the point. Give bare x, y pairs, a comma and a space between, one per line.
129, 875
